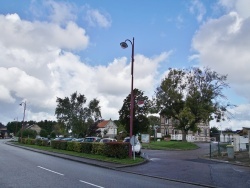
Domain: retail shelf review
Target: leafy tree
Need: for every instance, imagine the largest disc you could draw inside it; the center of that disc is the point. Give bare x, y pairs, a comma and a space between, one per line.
140, 120
14, 127
47, 125
27, 133
72, 115
191, 96
43, 133
214, 130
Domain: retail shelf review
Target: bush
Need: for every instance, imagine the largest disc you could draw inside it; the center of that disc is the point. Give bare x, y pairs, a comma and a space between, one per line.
77, 147
86, 147
70, 146
98, 148
27, 133
116, 149
55, 144
63, 145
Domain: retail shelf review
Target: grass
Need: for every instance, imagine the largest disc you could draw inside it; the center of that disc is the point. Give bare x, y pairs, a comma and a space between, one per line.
85, 155
170, 145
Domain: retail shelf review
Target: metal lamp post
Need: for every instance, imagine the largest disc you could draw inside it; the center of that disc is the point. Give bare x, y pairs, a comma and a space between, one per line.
125, 45
24, 108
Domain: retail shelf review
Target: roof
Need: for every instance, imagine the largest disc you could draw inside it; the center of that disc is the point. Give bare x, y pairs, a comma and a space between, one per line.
103, 124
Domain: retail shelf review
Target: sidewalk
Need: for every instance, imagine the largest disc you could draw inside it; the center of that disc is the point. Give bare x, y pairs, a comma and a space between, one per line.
240, 158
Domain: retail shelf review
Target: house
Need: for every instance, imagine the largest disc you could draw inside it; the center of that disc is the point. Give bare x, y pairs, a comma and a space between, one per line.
167, 128
3, 131
34, 127
107, 128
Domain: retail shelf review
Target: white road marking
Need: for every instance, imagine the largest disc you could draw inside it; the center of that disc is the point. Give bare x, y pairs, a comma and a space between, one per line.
90, 184
155, 159
50, 170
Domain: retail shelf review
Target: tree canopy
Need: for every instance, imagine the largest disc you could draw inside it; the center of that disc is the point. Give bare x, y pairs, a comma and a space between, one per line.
192, 96
140, 120
74, 116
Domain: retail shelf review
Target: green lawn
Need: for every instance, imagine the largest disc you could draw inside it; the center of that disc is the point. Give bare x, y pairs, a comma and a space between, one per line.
170, 145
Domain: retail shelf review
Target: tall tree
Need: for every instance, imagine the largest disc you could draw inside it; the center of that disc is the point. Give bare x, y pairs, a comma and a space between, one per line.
192, 96
140, 120
73, 115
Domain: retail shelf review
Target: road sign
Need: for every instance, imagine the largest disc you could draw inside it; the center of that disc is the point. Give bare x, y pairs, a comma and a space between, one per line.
133, 141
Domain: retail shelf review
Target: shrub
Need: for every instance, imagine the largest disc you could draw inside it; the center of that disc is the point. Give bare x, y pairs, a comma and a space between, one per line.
86, 147
116, 149
77, 147
39, 142
98, 148
30, 141
70, 146
63, 145
55, 144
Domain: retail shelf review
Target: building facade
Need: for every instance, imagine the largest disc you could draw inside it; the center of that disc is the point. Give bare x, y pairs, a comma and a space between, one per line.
167, 128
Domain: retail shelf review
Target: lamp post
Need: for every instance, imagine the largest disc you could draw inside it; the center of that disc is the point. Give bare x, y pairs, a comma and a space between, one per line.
125, 45
24, 108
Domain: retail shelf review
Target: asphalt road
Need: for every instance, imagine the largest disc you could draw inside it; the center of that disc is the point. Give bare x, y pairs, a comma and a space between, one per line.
190, 167
20, 168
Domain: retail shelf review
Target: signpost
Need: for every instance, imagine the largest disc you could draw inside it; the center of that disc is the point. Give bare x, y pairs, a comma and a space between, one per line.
133, 142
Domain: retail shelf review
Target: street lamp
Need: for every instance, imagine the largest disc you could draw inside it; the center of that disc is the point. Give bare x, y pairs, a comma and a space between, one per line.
24, 108
125, 45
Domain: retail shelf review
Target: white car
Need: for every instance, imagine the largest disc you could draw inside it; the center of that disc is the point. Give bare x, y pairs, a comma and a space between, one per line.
137, 147
105, 140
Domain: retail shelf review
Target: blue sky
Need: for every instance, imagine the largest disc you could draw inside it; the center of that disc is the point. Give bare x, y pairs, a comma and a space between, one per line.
51, 49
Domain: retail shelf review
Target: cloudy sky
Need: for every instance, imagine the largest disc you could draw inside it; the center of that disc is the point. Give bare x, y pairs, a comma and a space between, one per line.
50, 49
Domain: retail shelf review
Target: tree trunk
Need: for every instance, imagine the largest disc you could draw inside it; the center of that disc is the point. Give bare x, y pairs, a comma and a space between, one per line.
184, 134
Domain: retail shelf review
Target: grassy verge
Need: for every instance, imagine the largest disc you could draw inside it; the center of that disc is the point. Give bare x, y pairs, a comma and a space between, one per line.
170, 145
137, 160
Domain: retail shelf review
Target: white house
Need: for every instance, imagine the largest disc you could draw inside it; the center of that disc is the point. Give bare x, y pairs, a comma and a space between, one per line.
107, 128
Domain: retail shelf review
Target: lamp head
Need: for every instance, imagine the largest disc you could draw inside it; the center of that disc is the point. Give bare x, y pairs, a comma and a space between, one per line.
124, 45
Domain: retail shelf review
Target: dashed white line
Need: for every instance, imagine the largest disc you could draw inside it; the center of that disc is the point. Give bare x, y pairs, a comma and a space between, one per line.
90, 184
50, 170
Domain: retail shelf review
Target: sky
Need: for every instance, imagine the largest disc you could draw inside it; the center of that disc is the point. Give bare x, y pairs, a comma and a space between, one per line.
51, 49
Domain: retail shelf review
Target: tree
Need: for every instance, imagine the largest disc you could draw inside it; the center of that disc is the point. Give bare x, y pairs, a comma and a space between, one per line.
191, 96
140, 120
43, 133
72, 115
14, 127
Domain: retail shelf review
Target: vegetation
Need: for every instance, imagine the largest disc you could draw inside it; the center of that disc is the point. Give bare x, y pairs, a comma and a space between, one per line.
140, 112
190, 97
73, 116
170, 145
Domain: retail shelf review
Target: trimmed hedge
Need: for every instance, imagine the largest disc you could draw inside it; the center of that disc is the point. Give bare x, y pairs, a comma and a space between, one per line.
116, 149
110, 149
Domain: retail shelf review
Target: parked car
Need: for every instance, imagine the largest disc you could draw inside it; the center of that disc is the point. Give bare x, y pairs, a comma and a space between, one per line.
67, 139
92, 139
105, 140
77, 140
58, 138
137, 147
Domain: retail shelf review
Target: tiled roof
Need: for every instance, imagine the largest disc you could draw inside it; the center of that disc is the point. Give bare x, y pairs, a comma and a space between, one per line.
103, 124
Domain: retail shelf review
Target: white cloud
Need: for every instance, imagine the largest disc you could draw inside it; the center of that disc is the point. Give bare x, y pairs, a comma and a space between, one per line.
96, 18
239, 6
37, 65
198, 9
223, 45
